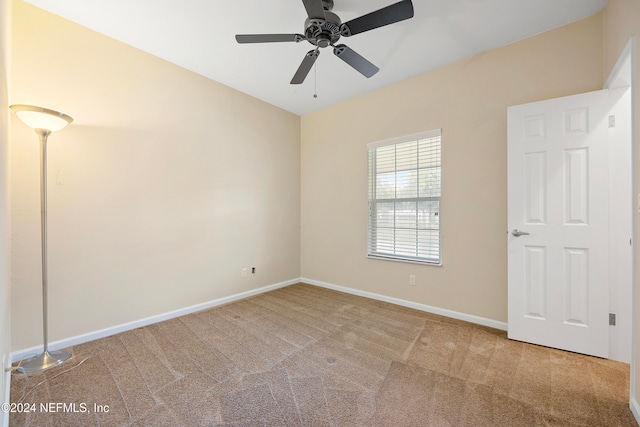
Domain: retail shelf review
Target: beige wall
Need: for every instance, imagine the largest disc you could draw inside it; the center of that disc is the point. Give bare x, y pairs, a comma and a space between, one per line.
621, 21
469, 101
5, 37
162, 189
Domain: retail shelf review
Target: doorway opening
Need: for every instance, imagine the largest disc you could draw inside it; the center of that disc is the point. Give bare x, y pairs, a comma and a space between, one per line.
570, 213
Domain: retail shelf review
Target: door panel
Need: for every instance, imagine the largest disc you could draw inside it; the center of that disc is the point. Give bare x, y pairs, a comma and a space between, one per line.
558, 194
535, 276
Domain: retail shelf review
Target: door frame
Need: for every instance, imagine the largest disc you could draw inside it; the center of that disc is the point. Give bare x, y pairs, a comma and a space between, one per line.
624, 69
621, 225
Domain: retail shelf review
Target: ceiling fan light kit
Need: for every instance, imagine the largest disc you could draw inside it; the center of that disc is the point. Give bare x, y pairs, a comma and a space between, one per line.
323, 28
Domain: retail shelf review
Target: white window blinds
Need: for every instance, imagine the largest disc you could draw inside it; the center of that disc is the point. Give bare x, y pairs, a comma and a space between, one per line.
404, 198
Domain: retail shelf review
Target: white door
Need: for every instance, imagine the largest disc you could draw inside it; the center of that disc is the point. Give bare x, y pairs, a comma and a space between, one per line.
558, 262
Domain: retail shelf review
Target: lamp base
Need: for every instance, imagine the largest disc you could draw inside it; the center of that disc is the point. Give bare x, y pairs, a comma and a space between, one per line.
44, 361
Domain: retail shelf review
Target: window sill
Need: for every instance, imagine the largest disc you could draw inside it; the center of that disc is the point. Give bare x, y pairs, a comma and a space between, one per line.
405, 260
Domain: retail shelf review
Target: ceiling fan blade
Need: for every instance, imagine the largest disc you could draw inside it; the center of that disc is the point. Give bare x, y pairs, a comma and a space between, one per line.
314, 8
269, 38
387, 15
305, 67
354, 59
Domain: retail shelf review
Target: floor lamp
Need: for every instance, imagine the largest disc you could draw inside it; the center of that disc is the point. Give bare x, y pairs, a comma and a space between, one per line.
43, 121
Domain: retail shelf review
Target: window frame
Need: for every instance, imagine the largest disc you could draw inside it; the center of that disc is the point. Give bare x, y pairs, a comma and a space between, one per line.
371, 201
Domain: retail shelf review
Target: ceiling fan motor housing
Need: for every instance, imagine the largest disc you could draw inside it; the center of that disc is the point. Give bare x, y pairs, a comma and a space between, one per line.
323, 32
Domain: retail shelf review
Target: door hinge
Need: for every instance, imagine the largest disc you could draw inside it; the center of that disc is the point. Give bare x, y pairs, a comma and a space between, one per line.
612, 319
612, 121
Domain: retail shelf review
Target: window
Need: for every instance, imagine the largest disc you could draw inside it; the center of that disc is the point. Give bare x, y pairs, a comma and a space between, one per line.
404, 198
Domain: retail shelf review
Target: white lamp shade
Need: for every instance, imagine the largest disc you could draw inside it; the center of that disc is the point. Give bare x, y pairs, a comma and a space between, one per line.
41, 118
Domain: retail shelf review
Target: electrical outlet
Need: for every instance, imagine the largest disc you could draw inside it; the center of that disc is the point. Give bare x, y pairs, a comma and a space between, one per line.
412, 280
253, 270
244, 272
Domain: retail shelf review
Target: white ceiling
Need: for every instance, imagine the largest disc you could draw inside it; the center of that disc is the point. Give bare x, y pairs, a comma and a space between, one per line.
199, 35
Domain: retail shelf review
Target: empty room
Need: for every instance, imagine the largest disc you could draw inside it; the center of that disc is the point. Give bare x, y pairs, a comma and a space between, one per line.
319, 213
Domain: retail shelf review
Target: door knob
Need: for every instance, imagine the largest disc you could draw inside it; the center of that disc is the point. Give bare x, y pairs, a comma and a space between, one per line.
519, 233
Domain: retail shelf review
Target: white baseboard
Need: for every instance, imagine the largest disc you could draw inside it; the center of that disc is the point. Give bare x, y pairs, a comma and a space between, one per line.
635, 408
80, 339
417, 306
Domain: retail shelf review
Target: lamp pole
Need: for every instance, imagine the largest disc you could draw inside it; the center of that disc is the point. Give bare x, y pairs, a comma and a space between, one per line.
44, 134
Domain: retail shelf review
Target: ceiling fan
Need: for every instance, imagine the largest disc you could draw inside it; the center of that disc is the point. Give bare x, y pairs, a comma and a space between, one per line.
324, 28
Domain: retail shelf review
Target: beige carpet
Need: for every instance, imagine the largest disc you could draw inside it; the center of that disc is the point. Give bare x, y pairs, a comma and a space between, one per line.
307, 356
